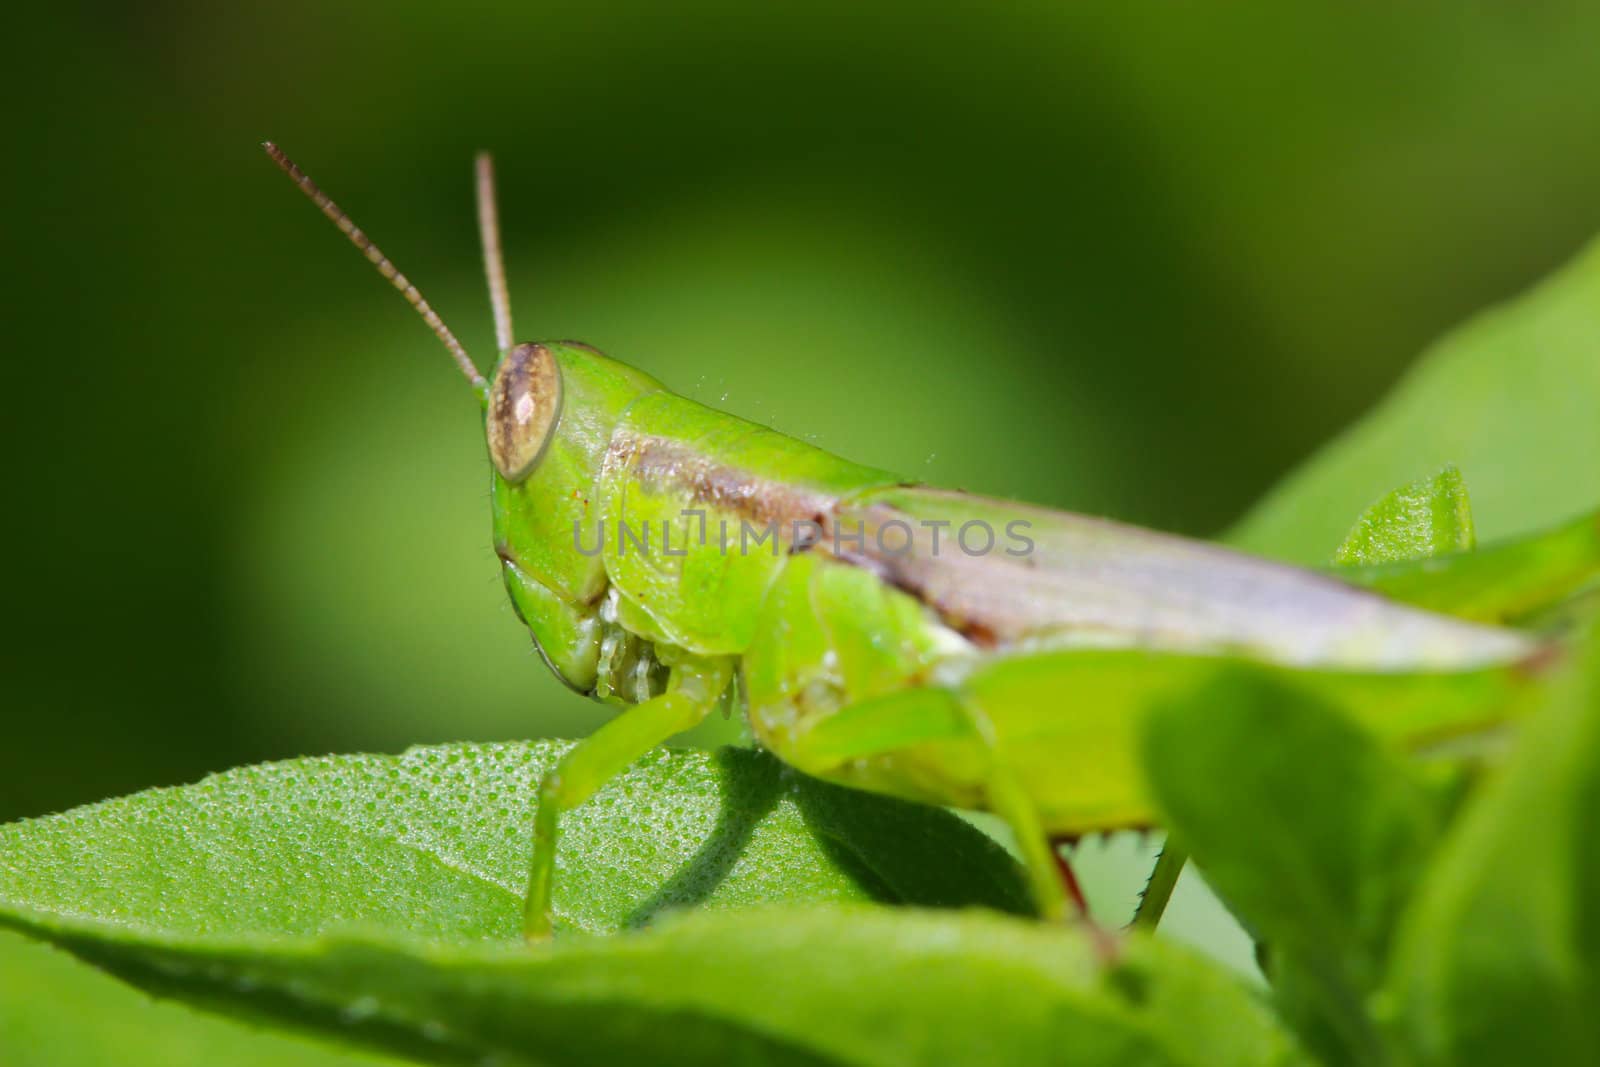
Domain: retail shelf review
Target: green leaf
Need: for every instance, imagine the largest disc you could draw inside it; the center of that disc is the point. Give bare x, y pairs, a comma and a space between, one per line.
436, 843
1312, 834
55, 1010
375, 899
1427, 518
1511, 397
824, 985
1498, 959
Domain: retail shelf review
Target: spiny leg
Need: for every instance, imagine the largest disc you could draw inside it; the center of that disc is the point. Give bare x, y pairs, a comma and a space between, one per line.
1158, 890
695, 688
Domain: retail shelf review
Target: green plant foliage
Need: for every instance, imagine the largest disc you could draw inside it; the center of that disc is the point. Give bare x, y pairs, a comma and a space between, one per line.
1312, 834
56, 1011
1498, 959
372, 897
781, 986
1510, 397
1324, 845
1427, 518
435, 843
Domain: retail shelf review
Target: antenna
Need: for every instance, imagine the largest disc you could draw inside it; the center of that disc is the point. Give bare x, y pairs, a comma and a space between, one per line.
376, 257
494, 264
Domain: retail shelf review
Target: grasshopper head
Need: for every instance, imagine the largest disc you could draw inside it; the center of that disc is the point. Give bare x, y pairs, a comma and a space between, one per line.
548, 415
551, 411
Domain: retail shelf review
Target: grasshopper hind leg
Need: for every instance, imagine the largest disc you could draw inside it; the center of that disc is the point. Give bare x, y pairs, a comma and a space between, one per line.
843, 684
877, 744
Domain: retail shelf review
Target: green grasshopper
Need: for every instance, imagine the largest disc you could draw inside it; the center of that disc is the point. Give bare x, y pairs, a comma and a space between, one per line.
933, 645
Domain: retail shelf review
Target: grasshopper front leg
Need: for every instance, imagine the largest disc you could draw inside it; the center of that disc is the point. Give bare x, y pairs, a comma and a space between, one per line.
693, 691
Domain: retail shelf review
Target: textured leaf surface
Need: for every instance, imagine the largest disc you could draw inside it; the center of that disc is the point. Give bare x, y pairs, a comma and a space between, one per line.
1498, 959
1511, 397
56, 1011
781, 986
1311, 832
1427, 518
375, 899
435, 843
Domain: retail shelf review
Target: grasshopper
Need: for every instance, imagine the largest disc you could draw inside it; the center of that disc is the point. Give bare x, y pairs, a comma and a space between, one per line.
933, 645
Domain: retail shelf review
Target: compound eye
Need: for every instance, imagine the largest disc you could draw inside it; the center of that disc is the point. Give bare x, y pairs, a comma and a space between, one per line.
524, 404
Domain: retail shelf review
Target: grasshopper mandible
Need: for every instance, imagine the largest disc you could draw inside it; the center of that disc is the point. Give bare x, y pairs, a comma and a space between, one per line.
928, 644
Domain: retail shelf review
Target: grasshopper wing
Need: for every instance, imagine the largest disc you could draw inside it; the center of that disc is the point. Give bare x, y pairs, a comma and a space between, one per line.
1010, 575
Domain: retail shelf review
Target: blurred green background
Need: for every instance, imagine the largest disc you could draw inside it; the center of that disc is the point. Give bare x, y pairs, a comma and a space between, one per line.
1137, 262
